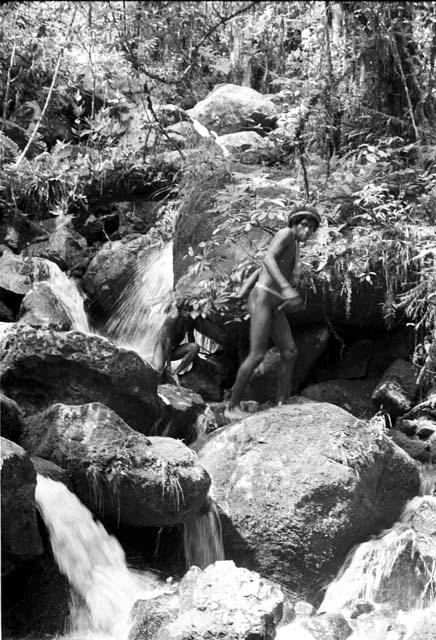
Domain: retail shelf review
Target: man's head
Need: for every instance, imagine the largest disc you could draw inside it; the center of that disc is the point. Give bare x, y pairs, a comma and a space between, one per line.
304, 220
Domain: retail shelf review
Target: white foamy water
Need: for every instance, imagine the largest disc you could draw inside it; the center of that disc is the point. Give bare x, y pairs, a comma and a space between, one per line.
202, 538
66, 290
139, 311
377, 565
104, 589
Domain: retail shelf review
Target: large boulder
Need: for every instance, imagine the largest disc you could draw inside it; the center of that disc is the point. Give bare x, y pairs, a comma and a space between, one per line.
299, 485
41, 307
111, 270
17, 276
58, 298
40, 367
10, 418
49, 469
6, 314
20, 536
329, 626
418, 448
204, 378
181, 409
65, 247
117, 472
229, 108
352, 395
16, 229
397, 388
223, 601
246, 146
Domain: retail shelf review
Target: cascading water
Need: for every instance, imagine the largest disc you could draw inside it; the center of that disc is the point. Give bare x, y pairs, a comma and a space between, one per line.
378, 571
139, 311
202, 538
394, 573
94, 563
65, 289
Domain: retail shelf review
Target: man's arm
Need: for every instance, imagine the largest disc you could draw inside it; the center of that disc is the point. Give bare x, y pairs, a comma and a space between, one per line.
248, 284
281, 241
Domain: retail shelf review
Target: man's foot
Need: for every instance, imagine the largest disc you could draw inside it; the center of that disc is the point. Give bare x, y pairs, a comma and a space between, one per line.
235, 413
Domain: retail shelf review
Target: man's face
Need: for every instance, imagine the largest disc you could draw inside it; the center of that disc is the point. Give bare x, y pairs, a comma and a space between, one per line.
304, 229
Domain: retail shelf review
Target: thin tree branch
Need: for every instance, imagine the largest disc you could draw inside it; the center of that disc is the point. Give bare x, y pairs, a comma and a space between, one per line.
216, 26
50, 91
8, 80
403, 78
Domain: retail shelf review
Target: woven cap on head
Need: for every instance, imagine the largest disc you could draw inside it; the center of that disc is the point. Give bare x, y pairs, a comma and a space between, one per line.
298, 214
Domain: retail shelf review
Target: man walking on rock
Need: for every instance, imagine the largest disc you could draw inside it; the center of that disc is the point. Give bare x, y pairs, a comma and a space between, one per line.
271, 295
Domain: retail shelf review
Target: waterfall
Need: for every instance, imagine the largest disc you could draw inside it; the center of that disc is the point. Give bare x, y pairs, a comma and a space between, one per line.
202, 537
66, 290
139, 311
377, 565
394, 573
104, 589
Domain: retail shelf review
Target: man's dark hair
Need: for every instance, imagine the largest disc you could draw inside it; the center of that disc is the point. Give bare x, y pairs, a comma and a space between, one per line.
299, 213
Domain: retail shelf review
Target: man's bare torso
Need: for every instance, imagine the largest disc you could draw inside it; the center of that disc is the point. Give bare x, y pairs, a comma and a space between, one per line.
286, 261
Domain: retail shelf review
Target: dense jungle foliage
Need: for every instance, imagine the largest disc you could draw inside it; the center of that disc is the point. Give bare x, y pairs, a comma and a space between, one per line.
83, 84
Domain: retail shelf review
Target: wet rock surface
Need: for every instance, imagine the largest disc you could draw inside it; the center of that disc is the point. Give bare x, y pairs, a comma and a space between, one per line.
352, 395
397, 388
223, 601
298, 486
51, 470
17, 275
40, 367
21, 540
10, 419
181, 408
204, 378
110, 271
65, 247
118, 473
41, 307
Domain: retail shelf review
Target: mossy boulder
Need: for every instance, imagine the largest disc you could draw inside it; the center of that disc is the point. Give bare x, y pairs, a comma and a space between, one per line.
299, 485
20, 535
118, 473
40, 367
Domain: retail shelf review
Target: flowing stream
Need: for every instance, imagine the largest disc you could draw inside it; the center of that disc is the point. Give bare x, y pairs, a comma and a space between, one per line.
398, 567
394, 574
94, 563
104, 589
140, 310
65, 290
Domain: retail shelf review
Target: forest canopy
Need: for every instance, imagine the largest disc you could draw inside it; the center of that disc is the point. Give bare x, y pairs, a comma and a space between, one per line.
85, 90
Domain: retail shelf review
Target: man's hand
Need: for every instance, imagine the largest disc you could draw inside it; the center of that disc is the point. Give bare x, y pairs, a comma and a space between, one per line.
292, 303
289, 292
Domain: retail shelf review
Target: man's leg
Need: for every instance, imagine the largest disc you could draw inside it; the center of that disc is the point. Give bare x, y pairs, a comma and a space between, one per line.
188, 352
282, 336
160, 354
260, 325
